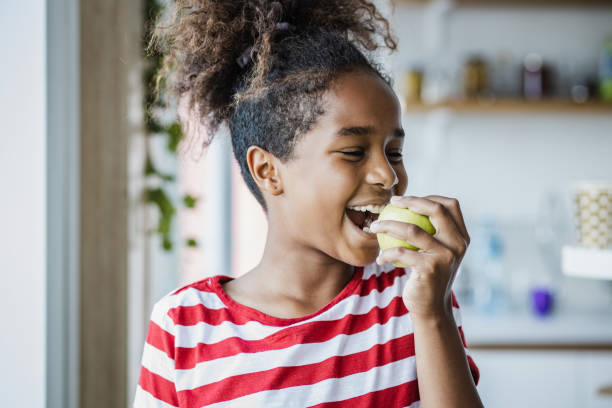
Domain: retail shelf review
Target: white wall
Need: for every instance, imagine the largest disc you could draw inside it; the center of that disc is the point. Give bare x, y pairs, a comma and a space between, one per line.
23, 203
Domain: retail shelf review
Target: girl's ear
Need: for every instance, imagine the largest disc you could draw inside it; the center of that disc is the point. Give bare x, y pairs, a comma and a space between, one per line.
265, 170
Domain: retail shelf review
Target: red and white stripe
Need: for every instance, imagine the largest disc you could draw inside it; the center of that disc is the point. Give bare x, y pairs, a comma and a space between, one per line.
203, 349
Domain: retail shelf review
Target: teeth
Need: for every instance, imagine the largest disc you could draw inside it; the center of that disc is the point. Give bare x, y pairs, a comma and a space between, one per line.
367, 229
376, 209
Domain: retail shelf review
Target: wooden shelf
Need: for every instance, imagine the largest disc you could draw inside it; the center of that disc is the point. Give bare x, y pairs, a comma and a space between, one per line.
512, 106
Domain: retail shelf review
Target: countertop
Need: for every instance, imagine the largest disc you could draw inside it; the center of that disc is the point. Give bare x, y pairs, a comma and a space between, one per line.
560, 330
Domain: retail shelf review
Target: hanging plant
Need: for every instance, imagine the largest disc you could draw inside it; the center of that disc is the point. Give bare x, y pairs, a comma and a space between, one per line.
157, 195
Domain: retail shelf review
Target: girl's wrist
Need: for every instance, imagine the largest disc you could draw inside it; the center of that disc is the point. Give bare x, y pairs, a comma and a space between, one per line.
434, 317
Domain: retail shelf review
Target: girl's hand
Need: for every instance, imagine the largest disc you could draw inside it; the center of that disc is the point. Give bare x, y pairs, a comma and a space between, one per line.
427, 294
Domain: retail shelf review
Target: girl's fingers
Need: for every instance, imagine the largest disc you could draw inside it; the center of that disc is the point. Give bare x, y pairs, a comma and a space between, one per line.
413, 234
448, 229
405, 256
452, 205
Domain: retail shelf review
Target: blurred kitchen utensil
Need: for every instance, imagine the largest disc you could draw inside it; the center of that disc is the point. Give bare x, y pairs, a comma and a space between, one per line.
412, 85
475, 77
541, 301
593, 213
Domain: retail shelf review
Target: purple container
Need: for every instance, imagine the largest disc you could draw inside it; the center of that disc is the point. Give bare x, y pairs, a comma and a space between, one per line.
541, 301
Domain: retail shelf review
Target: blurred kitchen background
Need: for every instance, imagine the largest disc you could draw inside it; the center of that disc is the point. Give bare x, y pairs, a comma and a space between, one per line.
107, 207
507, 108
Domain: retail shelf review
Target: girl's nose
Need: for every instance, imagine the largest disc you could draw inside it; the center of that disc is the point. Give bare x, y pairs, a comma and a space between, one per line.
381, 172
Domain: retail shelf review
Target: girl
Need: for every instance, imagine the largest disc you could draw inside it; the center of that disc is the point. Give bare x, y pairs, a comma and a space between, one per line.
316, 129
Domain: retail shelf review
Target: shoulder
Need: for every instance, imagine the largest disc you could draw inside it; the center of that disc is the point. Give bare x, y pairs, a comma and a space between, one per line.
183, 304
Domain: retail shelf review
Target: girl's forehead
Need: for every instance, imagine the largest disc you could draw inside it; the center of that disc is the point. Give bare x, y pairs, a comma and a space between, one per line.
361, 98
357, 106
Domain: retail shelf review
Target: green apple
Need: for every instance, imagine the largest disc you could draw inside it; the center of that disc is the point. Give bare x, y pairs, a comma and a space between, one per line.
393, 213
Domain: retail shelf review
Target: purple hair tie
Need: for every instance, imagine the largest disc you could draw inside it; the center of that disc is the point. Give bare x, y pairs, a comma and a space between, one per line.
245, 57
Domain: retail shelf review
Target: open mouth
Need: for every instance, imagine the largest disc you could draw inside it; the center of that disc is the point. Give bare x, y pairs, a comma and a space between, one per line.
363, 216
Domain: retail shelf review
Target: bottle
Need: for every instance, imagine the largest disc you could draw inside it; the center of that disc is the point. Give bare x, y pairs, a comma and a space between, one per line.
475, 79
490, 294
535, 77
412, 85
495, 273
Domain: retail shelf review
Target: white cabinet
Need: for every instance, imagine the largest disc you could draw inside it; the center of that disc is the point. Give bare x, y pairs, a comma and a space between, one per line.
560, 379
597, 374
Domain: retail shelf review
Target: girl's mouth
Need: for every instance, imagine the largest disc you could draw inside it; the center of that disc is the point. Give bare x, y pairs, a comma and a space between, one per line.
363, 216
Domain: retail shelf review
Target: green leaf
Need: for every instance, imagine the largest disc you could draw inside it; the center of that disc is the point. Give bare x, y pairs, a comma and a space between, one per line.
149, 168
159, 198
175, 134
189, 201
192, 243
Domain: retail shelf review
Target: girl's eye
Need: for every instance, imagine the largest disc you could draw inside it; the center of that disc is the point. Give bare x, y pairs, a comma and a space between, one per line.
396, 156
354, 153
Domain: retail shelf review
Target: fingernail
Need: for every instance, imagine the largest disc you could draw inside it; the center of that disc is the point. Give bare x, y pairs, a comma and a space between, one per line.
375, 226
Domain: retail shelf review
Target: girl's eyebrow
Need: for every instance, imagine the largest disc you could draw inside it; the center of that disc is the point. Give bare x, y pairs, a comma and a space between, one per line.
365, 131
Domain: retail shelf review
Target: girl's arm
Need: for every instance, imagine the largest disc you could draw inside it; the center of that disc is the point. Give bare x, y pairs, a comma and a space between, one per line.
443, 372
442, 368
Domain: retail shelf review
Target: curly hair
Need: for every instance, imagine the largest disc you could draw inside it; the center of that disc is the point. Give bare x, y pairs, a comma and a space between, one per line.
275, 96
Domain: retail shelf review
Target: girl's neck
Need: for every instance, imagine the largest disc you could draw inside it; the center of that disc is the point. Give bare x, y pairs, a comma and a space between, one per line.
300, 273
291, 274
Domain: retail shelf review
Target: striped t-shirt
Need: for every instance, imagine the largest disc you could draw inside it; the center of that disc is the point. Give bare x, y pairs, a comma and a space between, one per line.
205, 349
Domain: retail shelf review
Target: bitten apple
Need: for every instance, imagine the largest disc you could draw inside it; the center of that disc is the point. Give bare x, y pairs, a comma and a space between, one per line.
391, 212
